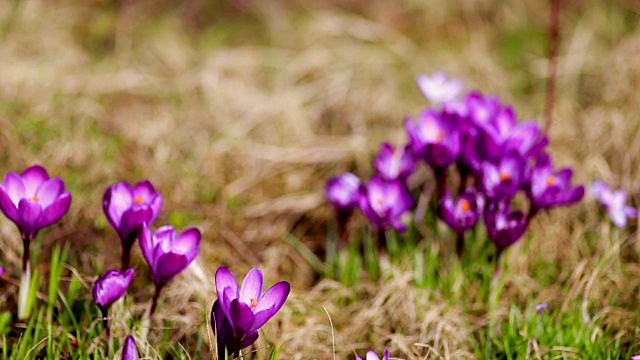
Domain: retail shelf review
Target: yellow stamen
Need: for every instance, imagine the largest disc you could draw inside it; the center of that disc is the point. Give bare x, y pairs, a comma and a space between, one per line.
504, 176
138, 200
465, 206
551, 181
254, 303
440, 135
35, 198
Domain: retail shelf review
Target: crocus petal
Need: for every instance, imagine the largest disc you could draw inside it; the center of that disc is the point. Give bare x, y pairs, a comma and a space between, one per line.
14, 188
147, 244
225, 280
631, 212
249, 339
251, 288
167, 266
129, 352
29, 214
155, 205
7, 206
386, 355
372, 355
598, 188
270, 303
242, 318
49, 191
117, 199
618, 217
132, 220
163, 237
32, 178
143, 189
56, 210
187, 243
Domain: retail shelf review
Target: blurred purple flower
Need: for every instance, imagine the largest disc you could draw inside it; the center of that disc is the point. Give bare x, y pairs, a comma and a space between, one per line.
503, 226
614, 203
111, 286
33, 200
540, 308
342, 191
167, 252
1, 271
385, 202
433, 138
437, 88
238, 314
127, 207
460, 214
129, 352
547, 189
373, 356
394, 163
502, 179
637, 357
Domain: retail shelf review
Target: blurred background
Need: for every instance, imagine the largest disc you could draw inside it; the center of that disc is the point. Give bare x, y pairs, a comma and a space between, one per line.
238, 112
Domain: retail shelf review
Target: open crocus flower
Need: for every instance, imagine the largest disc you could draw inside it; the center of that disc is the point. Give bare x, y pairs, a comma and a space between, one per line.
437, 88
548, 189
32, 200
238, 314
502, 180
127, 207
393, 163
461, 214
503, 226
129, 352
111, 286
373, 356
167, 252
385, 202
433, 138
614, 203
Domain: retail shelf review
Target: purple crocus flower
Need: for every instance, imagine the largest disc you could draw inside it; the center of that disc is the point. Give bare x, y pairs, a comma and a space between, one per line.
463, 213
32, 200
502, 180
540, 308
547, 189
503, 226
238, 314
393, 163
433, 138
385, 202
127, 207
437, 88
129, 352
614, 203
373, 356
111, 286
1, 271
167, 254
342, 191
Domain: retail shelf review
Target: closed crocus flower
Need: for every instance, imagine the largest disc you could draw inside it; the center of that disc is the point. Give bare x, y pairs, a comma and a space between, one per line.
129, 352
393, 163
433, 138
167, 252
239, 313
33, 200
547, 188
127, 207
503, 179
614, 203
342, 191
385, 202
373, 356
111, 286
504, 227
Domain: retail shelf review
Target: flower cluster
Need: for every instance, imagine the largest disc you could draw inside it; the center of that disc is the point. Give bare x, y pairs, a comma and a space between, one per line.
496, 157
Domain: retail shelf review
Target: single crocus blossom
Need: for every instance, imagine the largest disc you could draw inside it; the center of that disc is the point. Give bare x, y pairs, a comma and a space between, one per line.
504, 227
393, 163
503, 179
547, 188
239, 313
129, 352
111, 286
373, 356
614, 203
437, 88
385, 202
32, 200
460, 214
540, 308
433, 138
167, 254
127, 208
342, 192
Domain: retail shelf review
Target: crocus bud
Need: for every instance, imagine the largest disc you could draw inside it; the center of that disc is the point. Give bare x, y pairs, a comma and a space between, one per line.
167, 252
238, 314
129, 352
437, 88
111, 286
127, 207
33, 200
373, 356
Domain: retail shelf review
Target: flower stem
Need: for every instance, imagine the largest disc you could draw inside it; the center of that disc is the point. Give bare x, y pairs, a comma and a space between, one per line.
107, 330
126, 254
146, 319
25, 282
459, 245
440, 173
154, 301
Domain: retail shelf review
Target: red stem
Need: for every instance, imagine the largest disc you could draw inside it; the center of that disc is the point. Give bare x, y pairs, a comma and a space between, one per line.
554, 31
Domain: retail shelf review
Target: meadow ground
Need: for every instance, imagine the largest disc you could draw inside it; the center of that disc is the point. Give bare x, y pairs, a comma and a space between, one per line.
238, 112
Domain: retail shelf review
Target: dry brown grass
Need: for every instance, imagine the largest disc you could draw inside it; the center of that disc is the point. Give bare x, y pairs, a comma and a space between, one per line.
238, 117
